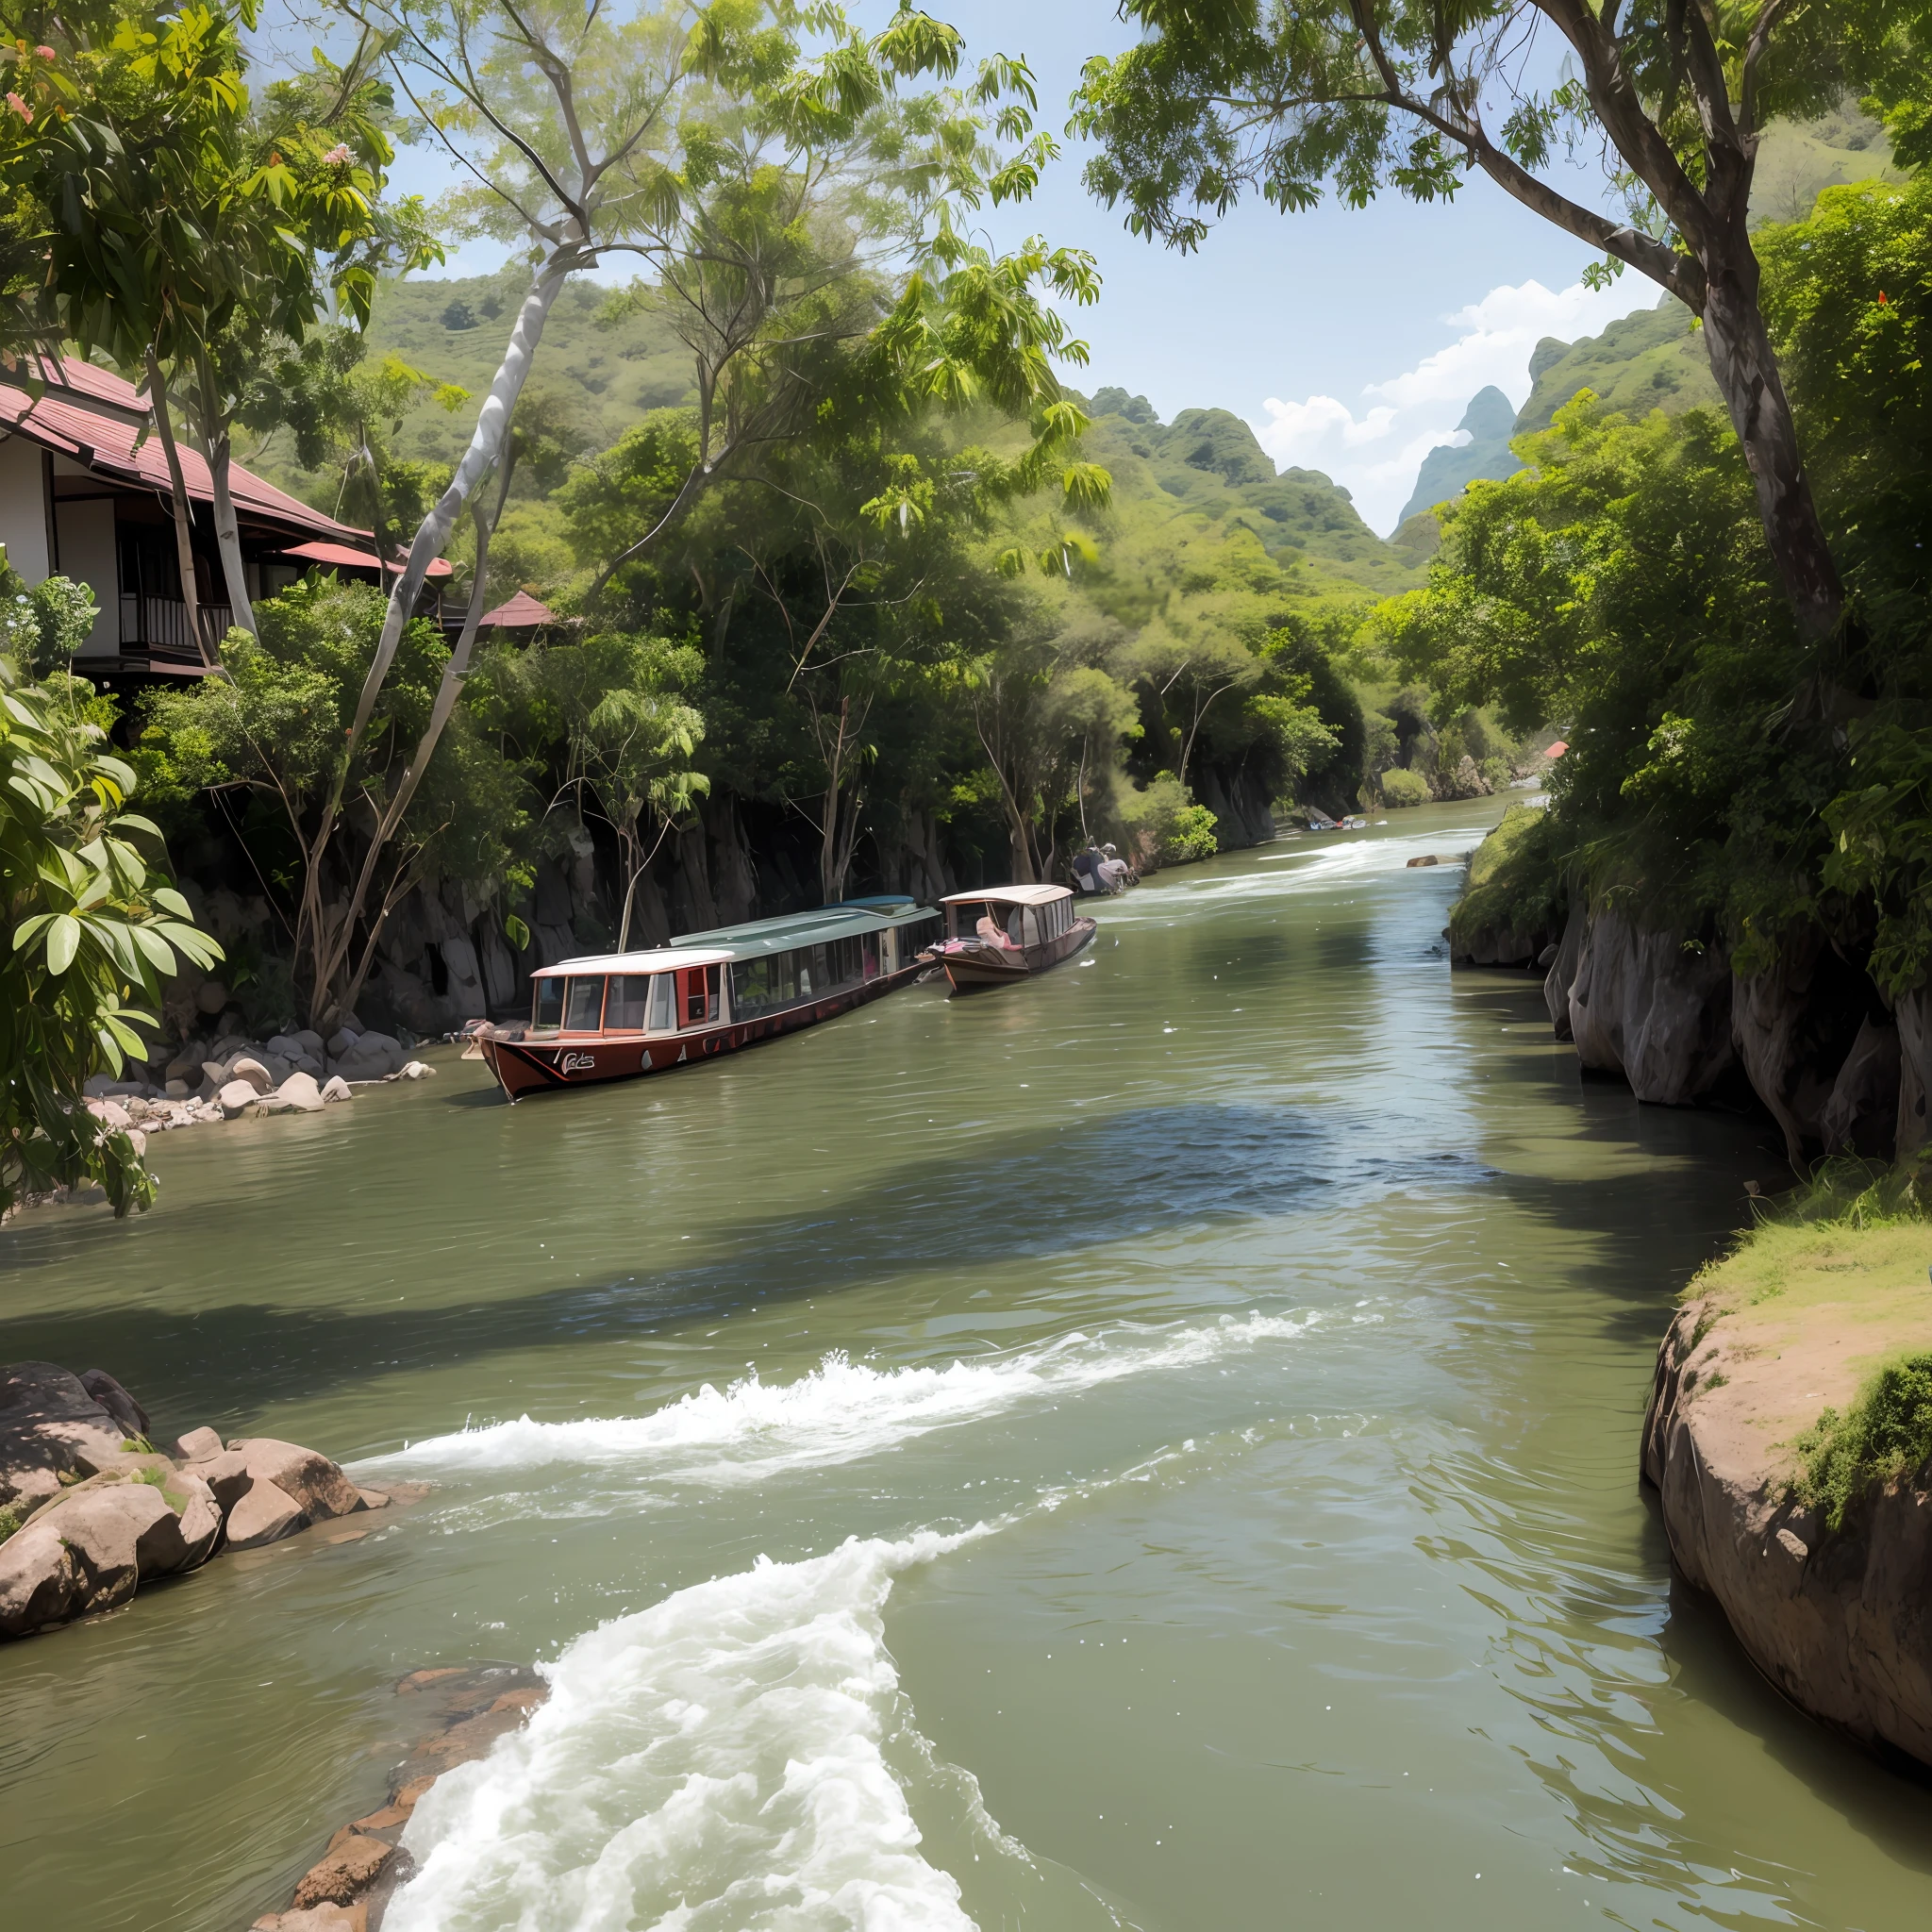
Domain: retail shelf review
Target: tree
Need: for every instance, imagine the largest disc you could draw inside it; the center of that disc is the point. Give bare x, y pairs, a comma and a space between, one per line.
619, 704
593, 134
90, 930
1288, 96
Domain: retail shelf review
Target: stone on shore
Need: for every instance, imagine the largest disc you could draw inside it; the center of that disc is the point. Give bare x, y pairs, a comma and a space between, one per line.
335, 1087
298, 1093
197, 1445
315, 1484
349, 1867
237, 1098
329, 1918
50, 1426
264, 1515
116, 1401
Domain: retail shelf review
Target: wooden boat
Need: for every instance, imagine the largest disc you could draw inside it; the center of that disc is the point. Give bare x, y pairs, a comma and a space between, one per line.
1040, 923
618, 1016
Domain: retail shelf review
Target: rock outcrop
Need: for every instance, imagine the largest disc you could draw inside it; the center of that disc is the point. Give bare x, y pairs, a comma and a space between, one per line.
90, 1509
1653, 1008
1841, 1623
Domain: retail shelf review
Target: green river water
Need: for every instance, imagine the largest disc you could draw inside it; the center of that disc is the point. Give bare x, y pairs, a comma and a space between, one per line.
1154, 1447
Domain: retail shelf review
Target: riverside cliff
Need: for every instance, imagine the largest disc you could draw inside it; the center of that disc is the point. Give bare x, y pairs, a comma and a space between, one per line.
1768, 1355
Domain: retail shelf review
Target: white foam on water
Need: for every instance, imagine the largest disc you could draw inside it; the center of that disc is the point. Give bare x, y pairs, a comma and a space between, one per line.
718, 1763
840, 1411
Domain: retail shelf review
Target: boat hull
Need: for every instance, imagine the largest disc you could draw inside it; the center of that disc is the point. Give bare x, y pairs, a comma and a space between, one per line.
592, 1060
992, 966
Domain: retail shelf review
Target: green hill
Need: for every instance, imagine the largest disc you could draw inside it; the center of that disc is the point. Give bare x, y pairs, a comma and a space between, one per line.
1488, 423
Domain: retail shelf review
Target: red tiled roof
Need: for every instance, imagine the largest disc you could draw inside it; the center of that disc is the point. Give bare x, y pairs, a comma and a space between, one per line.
353, 557
522, 612
109, 446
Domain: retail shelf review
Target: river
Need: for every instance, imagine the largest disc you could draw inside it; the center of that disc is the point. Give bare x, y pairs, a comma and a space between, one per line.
1154, 1447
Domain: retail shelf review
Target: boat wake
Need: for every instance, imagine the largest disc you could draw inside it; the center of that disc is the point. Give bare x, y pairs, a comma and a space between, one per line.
737, 1758
840, 1411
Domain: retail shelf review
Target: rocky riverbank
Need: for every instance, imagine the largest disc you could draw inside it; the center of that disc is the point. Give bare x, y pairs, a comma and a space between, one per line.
90, 1510
454, 1714
1800, 1332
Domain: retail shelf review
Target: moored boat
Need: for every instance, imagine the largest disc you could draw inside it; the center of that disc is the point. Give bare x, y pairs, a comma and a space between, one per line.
1004, 933
617, 1016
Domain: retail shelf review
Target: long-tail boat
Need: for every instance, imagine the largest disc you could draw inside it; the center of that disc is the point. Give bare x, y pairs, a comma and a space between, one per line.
617, 1016
1000, 933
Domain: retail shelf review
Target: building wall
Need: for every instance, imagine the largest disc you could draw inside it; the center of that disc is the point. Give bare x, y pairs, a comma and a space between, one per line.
24, 508
85, 533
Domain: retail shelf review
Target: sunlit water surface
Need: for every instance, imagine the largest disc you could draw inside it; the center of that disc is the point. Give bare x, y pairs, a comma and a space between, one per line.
1154, 1447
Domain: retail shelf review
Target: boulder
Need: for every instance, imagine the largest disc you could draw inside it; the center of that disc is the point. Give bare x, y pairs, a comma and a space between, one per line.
341, 1042
1653, 1009
316, 1485
298, 1093
1794, 1023
1562, 969
186, 1537
49, 1426
185, 1064
264, 1515
236, 1098
349, 1868
111, 1115
1861, 1116
370, 1057
40, 1580
354, 1918
85, 1552
179, 1089
225, 1473
249, 1067
128, 1412
212, 997
309, 1041
197, 1445
285, 1046
335, 1087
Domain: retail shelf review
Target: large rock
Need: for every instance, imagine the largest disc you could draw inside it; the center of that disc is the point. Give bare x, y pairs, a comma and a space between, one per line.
225, 1473
237, 1097
84, 1553
249, 1067
128, 1412
1794, 1023
197, 1445
298, 1093
1562, 973
335, 1087
265, 1514
369, 1056
313, 1482
349, 1869
1841, 1624
49, 1426
1861, 1116
1653, 1009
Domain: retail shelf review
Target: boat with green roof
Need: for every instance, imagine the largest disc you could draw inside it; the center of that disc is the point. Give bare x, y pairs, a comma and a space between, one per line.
618, 1016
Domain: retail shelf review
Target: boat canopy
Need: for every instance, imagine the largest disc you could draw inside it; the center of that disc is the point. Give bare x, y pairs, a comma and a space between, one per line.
1009, 895
852, 919
665, 959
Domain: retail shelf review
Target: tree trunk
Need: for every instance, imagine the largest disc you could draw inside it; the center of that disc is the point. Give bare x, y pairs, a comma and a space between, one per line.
214, 428
1745, 367
184, 512
487, 448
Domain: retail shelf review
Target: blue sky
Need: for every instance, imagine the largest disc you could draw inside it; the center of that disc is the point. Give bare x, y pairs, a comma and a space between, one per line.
1350, 340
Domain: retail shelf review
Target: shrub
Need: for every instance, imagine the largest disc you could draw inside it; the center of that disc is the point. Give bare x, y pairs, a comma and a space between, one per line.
458, 315
1885, 1436
1190, 836
1400, 788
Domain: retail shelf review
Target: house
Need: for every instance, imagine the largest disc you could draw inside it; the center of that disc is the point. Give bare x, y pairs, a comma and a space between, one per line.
84, 493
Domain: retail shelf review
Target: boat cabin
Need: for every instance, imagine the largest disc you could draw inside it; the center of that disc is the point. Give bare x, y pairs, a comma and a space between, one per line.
735, 973
1028, 915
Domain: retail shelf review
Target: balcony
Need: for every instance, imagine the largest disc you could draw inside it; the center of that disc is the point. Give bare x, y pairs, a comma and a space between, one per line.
157, 626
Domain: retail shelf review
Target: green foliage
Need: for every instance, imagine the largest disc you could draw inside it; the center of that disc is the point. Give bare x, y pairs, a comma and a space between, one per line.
1655, 359
1884, 1437
89, 932
1399, 787
1513, 884
41, 629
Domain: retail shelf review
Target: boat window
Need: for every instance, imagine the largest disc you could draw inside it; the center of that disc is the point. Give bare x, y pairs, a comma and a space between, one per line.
583, 1010
869, 953
700, 986
625, 1009
663, 1003
547, 1012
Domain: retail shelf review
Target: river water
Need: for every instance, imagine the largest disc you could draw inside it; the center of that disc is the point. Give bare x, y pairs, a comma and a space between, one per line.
1154, 1447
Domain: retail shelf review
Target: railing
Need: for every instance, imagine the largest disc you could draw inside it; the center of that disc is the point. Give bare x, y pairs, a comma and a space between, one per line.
160, 624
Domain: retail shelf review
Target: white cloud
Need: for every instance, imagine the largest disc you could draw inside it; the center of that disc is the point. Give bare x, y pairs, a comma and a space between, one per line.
1375, 456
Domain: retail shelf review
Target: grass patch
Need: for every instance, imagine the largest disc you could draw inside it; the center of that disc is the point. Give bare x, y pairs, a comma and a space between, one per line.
1514, 885
1884, 1437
